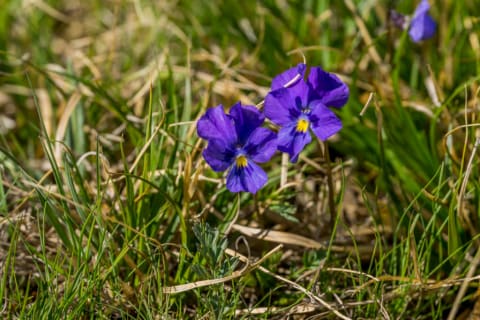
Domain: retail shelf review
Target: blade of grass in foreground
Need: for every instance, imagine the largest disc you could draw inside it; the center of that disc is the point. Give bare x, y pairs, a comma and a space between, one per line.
3, 196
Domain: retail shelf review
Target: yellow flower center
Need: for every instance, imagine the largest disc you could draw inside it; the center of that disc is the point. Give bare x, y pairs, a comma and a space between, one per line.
241, 161
302, 125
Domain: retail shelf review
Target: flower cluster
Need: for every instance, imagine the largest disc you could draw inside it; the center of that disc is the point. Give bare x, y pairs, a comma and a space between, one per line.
296, 103
421, 25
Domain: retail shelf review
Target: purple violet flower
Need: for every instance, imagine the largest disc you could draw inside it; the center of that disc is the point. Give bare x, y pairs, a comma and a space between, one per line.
237, 142
297, 105
422, 25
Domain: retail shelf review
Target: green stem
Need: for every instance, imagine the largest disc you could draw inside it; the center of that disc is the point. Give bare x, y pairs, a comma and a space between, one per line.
331, 191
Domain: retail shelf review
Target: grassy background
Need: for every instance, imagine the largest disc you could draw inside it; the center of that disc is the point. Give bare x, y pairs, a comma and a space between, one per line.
106, 204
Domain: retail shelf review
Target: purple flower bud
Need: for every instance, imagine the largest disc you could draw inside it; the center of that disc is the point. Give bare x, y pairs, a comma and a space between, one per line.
397, 19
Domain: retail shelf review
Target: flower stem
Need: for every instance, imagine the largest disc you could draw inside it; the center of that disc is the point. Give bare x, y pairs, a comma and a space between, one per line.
331, 191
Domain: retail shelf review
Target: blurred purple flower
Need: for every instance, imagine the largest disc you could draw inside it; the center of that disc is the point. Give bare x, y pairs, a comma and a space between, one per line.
237, 142
297, 105
398, 20
422, 25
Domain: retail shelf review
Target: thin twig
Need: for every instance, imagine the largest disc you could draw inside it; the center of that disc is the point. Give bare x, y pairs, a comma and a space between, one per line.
367, 104
463, 288
236, 274
284, 170
291, 283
